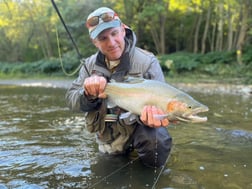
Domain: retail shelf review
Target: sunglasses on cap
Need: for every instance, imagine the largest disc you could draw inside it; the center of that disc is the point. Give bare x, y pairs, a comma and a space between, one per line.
105, 17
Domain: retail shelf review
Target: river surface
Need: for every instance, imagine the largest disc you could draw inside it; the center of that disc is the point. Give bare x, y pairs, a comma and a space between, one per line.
44, 145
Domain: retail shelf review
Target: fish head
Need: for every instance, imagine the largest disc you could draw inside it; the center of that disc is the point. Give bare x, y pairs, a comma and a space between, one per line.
186, 109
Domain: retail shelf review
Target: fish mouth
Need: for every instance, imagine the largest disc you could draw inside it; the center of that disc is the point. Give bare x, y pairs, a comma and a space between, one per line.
193, 117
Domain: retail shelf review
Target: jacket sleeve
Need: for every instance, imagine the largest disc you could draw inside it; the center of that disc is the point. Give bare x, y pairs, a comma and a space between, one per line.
155, 70
146, 63
75, 98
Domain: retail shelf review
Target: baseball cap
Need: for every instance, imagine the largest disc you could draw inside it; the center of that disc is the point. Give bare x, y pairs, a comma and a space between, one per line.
100, 20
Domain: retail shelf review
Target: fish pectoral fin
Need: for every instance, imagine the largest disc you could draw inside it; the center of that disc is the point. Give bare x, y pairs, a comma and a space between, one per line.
111, 104
128, 115
125, 115
160, 116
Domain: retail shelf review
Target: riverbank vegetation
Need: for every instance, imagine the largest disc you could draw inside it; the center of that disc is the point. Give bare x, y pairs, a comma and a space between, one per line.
199, 40
180, 66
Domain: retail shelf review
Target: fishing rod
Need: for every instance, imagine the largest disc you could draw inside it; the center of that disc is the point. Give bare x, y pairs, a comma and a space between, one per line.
70, 36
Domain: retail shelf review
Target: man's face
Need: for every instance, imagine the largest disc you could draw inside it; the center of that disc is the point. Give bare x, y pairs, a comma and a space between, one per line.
111, 42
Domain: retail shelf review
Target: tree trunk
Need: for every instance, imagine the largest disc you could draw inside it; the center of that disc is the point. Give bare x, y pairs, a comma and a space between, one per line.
219, 39
212, 40
230, 29
162, 33
243, 30
156, 40
158, 32
237, 29
129, 11
190, 37
196, 34
203, 43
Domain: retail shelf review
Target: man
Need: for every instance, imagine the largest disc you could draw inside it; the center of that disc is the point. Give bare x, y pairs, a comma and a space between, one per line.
117, 57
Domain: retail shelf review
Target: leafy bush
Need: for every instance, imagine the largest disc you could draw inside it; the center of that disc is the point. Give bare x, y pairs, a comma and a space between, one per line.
50, 66
215, 64
5, 68
218, 58
179, 62
185, 63
247, 55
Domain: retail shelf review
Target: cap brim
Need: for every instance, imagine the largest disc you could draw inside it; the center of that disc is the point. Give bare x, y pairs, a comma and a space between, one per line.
103, 26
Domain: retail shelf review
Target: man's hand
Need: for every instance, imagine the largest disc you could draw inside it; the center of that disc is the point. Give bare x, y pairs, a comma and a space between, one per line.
94, 86
147, 117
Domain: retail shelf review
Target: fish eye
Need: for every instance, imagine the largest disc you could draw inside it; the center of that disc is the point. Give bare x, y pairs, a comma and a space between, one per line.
190, 107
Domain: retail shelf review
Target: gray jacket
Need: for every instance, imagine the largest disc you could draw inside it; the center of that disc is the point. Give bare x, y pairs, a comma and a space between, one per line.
113, 136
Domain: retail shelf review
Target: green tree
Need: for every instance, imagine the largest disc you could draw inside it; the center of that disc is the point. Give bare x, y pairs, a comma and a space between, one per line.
28, 28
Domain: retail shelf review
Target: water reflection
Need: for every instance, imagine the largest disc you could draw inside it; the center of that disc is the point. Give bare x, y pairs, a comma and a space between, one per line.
44, 145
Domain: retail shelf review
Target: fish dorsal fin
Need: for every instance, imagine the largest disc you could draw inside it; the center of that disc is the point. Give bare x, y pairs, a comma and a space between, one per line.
130, 79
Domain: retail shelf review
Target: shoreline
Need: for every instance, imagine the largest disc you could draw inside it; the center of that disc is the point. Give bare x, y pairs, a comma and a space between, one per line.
213, 88
209, 88
49, 83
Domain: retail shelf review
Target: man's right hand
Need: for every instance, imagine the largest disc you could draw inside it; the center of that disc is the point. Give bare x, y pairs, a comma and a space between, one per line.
94, 86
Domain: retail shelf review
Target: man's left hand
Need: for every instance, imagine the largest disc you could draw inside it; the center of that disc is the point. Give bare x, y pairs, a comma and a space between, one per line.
147, 117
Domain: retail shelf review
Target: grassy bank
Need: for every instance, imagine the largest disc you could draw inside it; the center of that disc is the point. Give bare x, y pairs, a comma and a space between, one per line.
218, 67
212, 67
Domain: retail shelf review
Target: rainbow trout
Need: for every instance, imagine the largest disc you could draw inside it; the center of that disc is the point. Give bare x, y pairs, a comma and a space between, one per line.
134, 93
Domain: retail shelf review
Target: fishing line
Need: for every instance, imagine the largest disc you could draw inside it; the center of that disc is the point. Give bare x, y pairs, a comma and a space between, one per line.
70, 36
157, 179
155, 158
60, 58
114, 172
161, 171
163, 166
155, 155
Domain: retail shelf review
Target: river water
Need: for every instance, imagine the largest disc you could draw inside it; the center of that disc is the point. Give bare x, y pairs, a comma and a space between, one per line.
44, 145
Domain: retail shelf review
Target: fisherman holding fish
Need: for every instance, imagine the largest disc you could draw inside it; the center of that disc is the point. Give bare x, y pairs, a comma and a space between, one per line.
119, 131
